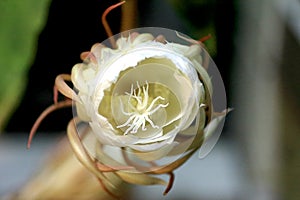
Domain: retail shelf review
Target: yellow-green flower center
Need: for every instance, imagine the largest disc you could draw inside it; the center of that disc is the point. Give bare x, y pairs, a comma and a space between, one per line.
147, 100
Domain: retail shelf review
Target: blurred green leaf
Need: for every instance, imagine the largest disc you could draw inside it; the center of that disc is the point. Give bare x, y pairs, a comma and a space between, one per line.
20, 25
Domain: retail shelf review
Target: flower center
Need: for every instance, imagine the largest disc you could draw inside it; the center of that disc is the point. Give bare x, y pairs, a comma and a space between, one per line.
141, 109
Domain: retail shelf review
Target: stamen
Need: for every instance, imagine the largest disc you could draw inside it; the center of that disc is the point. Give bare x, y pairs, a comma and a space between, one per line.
158, 107
154, 101
140, 114
151, 122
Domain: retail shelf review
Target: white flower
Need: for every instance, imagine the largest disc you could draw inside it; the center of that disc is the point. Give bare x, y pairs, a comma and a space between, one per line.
143, 94
146, 104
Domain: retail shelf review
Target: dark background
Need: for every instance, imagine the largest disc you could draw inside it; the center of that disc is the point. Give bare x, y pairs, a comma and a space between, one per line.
74, 26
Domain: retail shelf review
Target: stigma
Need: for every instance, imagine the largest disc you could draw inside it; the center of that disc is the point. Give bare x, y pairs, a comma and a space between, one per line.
140, 109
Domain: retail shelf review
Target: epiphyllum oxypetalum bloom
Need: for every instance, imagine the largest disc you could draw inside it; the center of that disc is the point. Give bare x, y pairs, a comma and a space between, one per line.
142, 94
149, 97
146, 105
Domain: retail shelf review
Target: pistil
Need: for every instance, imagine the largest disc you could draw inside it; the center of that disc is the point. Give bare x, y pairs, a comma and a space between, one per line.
139, 114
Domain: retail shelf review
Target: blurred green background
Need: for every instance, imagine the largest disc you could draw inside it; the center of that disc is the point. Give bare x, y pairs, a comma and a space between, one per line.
20, 24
